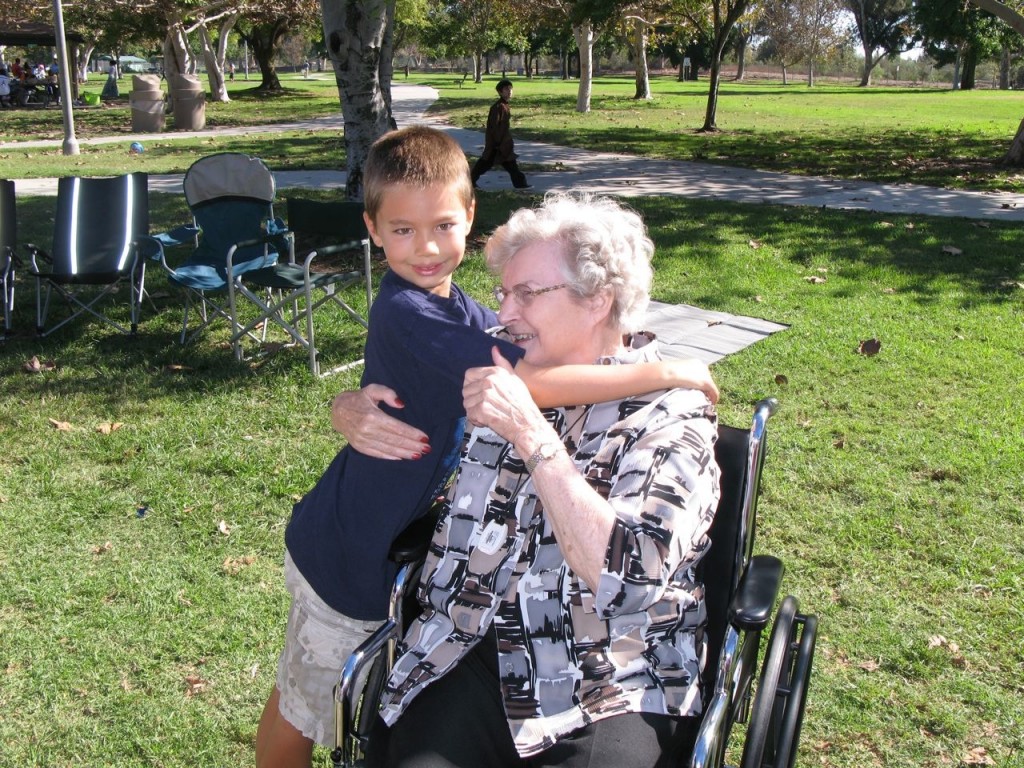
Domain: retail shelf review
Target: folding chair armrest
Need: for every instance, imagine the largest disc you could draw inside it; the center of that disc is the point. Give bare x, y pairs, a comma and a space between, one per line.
12, 256
755, 597
183, 235
351, 245
34, 253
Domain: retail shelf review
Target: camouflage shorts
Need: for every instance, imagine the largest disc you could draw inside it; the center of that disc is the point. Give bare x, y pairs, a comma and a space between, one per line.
317, 643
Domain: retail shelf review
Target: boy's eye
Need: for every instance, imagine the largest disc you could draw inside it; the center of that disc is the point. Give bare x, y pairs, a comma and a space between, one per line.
448, 225
402, 230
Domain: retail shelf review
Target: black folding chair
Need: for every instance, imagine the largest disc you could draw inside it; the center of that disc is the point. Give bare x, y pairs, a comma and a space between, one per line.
98, 229
327, 229
8, 243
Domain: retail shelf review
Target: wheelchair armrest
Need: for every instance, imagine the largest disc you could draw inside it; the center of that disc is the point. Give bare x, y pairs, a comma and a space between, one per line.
752, 604
414, 540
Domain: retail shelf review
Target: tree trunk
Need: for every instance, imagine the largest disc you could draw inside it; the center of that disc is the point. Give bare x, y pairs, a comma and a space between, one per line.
218, 88
643, 77
82, 61
584, 34
969, 70
263, 49
785, 74
869, 64
956, 71
1004, 70
810, 73
177, 54
1015, 155
714, 76
741, 56
359, 43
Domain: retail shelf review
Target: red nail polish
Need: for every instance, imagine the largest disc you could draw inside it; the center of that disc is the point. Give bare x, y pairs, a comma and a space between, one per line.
399, 403
426, 449
424, 439
417, 456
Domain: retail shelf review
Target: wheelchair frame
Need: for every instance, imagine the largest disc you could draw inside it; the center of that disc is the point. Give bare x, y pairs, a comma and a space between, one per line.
740, 601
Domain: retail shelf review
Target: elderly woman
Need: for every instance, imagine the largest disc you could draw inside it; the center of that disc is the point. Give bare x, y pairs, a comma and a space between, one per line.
563, 624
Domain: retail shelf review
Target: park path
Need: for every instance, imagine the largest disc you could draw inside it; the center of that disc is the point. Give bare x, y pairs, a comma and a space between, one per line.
567, 168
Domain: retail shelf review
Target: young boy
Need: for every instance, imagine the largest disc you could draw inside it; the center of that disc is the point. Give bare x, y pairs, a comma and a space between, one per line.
498, 145
424, 334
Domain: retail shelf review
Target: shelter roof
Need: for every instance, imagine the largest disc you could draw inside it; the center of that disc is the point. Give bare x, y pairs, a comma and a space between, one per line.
32, 33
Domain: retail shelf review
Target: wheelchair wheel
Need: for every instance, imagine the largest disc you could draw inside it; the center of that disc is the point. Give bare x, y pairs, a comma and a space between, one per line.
759, 749
793, 715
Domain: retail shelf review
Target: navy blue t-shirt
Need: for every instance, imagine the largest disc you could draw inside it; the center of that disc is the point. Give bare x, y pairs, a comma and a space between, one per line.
420, 345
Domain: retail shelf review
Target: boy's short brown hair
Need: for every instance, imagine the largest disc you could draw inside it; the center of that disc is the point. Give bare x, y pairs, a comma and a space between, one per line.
419, 156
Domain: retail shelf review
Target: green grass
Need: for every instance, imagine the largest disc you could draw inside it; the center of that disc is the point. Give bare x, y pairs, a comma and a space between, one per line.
918, 135
894, 492
928, 136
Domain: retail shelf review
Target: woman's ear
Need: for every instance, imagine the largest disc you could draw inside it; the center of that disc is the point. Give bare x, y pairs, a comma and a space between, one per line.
601, 303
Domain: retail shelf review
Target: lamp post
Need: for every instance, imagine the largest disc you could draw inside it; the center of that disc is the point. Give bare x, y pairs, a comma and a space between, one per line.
63, 75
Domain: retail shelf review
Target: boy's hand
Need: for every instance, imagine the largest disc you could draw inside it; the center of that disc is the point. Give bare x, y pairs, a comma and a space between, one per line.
691, 374
369, 430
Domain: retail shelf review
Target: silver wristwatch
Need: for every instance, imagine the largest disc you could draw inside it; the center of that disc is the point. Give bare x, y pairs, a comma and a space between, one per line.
544, 452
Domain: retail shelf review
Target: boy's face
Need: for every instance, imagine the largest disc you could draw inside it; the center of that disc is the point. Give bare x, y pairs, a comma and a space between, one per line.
423, 232
505, 93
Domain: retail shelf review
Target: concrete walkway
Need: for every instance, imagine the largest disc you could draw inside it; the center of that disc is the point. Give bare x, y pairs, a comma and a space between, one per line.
611, 173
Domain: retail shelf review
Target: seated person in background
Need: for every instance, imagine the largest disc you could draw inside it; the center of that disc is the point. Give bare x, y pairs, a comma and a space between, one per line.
563, 624
425, 333
5, 88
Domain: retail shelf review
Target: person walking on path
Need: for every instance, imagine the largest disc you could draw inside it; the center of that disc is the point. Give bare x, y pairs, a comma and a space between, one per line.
498, 146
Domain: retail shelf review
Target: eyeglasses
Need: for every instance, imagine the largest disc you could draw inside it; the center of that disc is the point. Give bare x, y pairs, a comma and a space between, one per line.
524, 296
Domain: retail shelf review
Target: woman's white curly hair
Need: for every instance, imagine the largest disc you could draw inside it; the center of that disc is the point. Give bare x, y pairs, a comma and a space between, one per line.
604, 245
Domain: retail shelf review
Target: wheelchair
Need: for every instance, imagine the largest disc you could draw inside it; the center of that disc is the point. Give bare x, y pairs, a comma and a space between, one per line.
741, 590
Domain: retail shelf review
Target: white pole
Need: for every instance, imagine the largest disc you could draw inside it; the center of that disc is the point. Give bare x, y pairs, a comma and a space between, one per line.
63, 75
246, 44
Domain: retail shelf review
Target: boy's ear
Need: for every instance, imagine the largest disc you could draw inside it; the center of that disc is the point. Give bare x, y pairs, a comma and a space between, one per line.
372, 229
470, 213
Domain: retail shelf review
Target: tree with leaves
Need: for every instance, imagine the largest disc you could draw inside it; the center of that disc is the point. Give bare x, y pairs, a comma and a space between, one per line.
885, 28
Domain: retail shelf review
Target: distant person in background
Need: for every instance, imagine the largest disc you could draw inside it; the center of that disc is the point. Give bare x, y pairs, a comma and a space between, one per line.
5, 88
498, 146
16, 70
231, 71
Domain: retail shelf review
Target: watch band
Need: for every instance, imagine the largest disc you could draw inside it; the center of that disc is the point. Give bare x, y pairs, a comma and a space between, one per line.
543, 452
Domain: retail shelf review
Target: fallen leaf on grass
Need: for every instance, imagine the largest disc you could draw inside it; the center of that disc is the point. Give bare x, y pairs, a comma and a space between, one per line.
60, 426
102, 548
977, 756
952, 250
109, 426
869, 347
755, 244
982, 224
909, 225
234, 565
195, 685
957, 658
815, 279
781, 379
35, 365
175, 368
224, 528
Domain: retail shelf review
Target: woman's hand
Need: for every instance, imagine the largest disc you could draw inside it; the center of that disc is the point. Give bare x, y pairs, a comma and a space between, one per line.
495, 397
357, 416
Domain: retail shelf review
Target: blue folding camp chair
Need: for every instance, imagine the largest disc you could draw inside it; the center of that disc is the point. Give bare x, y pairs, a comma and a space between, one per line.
231, 197
8, 242
99, 226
